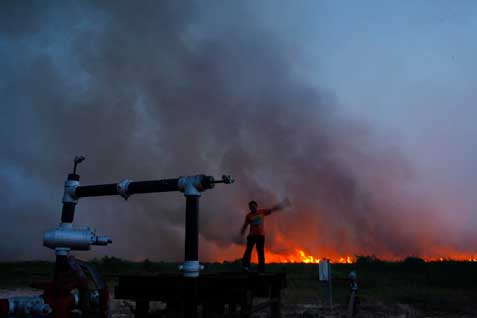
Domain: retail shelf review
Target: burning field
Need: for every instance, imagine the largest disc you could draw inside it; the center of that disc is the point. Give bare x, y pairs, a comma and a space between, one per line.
190, 99
299, 256
362, 115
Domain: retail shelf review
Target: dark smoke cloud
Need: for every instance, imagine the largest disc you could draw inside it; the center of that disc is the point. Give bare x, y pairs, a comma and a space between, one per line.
162, 89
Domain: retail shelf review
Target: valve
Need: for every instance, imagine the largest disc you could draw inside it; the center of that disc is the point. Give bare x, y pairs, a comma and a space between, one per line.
28, 306
67, 238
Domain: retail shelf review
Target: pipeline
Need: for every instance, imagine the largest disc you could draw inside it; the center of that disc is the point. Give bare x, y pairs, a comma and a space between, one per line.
71, 285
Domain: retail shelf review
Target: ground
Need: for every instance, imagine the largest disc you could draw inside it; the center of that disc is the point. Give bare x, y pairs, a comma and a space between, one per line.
402, 289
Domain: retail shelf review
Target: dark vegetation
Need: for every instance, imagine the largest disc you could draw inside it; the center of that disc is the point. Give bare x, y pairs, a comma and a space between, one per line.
447, 286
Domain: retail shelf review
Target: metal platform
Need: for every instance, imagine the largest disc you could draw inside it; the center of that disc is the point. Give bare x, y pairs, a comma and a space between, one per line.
219, 294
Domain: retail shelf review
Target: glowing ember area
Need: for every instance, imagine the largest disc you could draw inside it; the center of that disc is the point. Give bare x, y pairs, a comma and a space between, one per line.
300, 256
447, 259
290, 247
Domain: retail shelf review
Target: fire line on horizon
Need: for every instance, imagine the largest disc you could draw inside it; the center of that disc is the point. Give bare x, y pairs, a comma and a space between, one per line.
299, 256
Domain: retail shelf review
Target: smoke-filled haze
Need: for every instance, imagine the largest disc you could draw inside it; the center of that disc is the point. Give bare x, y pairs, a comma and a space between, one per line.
361, 113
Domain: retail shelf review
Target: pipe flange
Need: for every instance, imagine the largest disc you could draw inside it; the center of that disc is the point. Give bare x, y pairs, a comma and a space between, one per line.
69, 195
62, 251
191, 186
191, 268
122, 188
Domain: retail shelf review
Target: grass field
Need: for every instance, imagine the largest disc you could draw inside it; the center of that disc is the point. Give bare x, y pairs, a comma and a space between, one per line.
433, 287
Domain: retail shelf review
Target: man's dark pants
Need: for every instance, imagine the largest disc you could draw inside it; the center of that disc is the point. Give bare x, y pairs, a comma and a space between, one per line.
251, 241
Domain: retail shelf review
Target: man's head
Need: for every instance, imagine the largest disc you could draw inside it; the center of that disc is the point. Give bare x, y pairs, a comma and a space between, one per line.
252, 205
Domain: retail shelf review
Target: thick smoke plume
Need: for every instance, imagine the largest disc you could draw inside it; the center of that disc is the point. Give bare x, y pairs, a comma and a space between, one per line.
161, 89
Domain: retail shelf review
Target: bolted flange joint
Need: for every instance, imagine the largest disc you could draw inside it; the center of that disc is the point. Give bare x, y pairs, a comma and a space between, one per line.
191, 268
194, 185
122, 188
69, 195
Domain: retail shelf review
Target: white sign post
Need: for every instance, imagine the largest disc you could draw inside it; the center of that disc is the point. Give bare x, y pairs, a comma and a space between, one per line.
325, 276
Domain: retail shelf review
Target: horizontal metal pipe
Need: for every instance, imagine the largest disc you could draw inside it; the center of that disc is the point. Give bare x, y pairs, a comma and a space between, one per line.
164, 185
151, 186
96, 190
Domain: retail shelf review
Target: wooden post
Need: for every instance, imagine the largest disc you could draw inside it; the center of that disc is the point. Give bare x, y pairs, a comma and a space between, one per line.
246, 305
330, 287
353, 298
142, 309
276, 302
325, 275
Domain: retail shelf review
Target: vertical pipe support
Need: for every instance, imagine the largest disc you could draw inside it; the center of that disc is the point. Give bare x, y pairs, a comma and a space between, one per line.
67, 217
191, 267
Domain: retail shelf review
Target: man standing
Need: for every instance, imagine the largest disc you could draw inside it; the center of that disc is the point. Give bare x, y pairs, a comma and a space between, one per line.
256, 234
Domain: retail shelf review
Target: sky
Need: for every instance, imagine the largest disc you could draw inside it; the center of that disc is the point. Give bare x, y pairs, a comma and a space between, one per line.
410, 72
361, 112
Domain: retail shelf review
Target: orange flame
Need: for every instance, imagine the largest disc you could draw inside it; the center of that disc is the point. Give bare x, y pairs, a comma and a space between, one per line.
300, 256
457, 259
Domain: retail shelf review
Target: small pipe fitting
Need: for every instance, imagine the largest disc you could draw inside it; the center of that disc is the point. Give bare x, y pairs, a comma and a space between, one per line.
191, 268
194, 185
122, 188
69, 195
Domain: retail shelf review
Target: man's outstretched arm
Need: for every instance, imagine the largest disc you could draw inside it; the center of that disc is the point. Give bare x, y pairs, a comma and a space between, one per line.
280, 206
